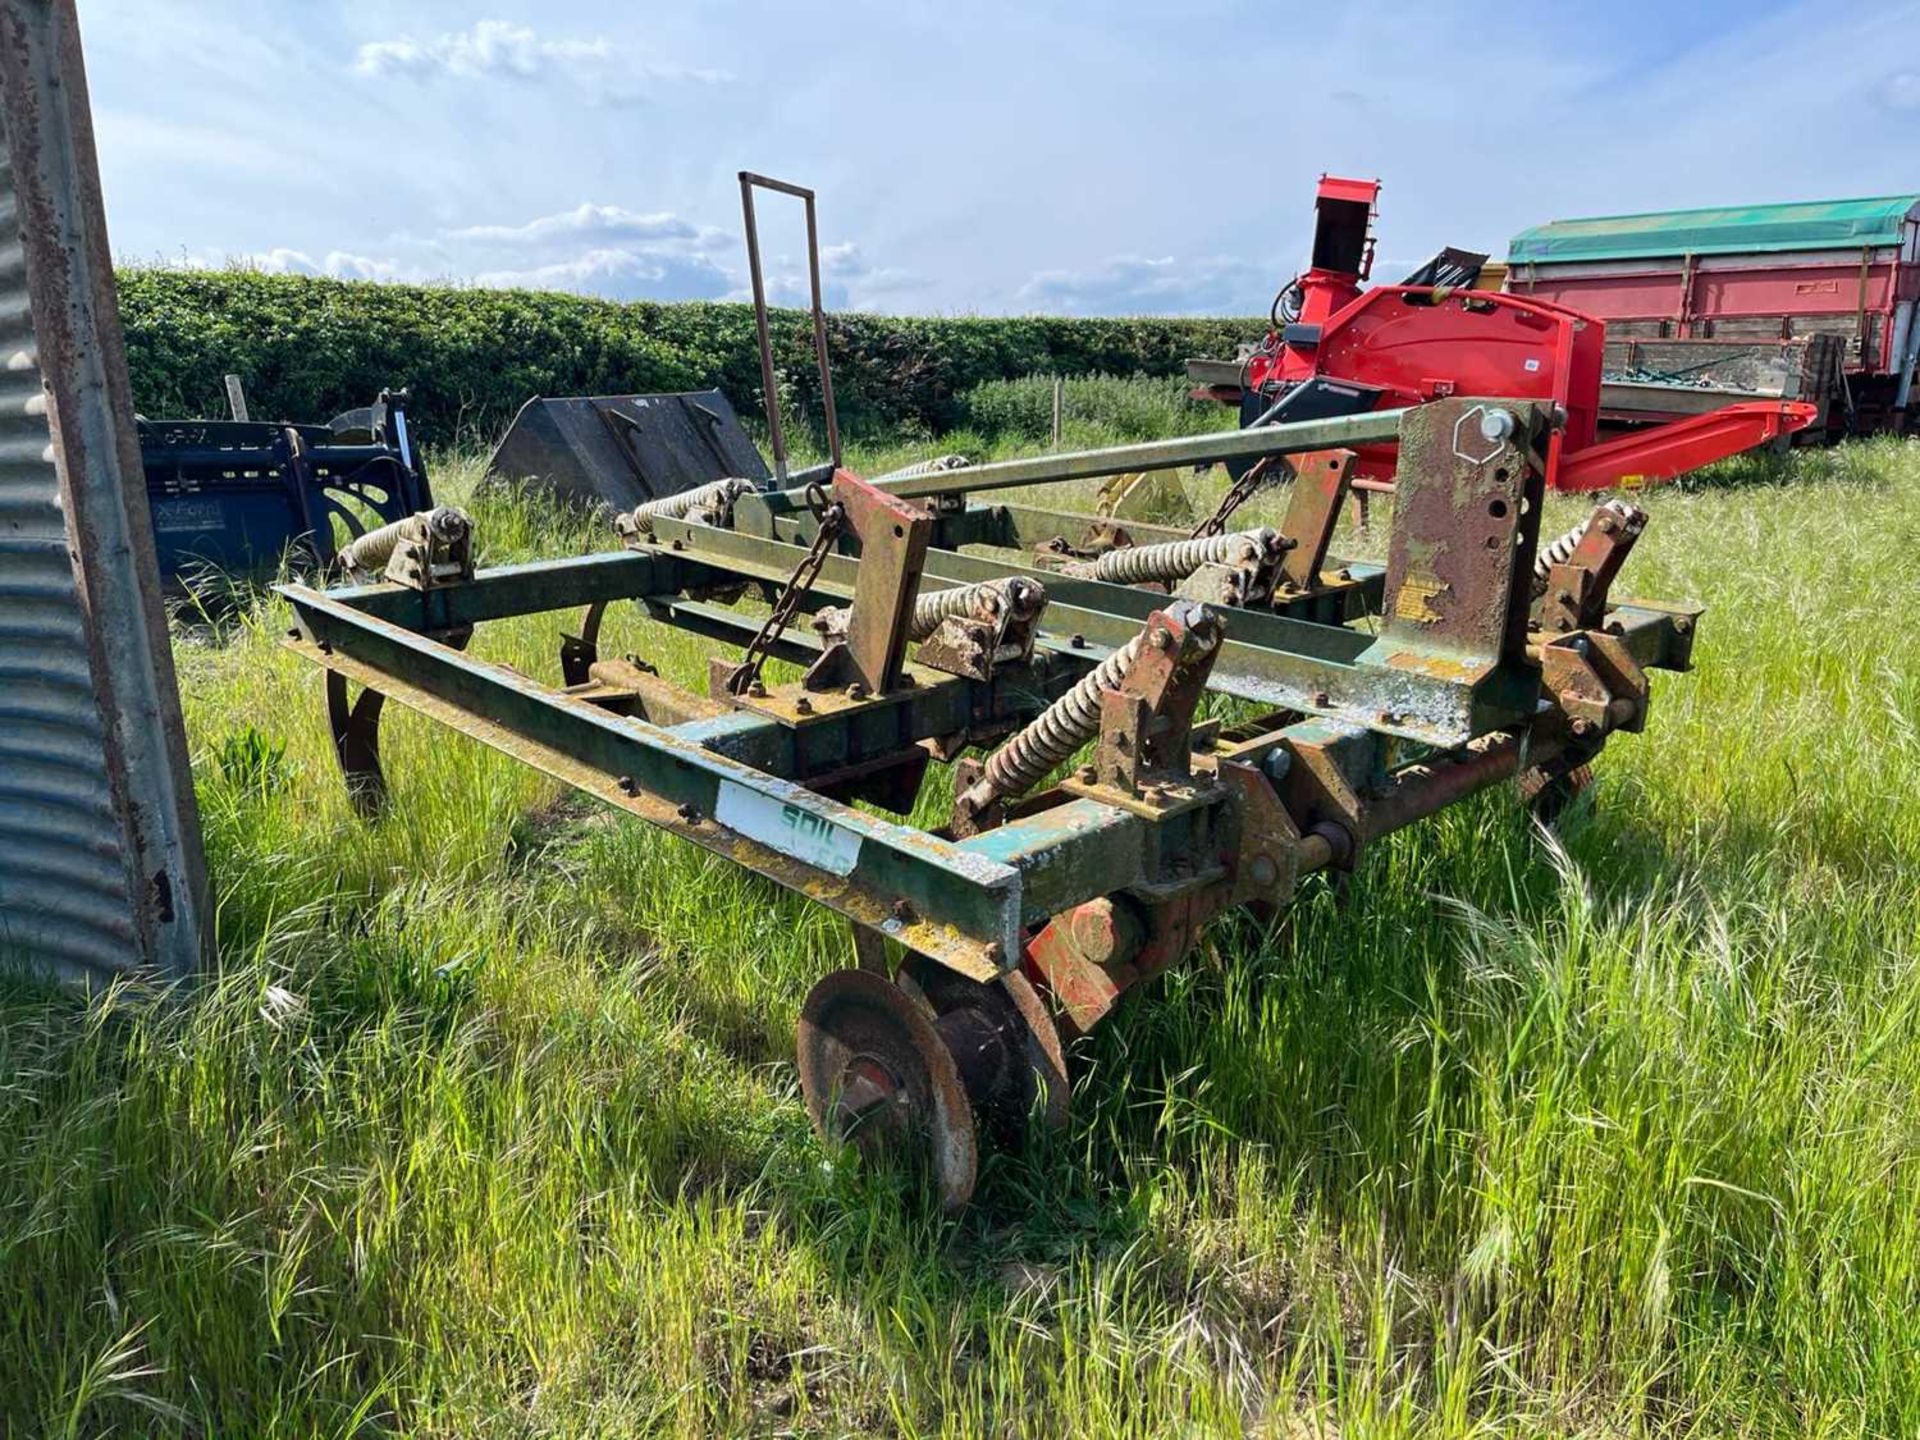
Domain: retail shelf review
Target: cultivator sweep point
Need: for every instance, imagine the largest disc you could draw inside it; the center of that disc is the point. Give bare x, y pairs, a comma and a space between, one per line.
1098, 823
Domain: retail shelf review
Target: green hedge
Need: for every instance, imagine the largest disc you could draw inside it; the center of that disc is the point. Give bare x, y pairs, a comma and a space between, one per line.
309, 348
1131, 407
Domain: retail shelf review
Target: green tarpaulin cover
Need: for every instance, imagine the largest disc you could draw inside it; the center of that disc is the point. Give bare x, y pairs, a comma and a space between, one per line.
1737, 229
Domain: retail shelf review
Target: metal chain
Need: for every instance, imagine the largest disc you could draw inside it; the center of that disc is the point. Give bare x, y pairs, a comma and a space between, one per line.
833, 518
1241, 491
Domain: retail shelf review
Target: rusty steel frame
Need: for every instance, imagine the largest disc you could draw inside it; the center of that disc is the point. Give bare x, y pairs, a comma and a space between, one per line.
1383, 695
1367, 732
749, 182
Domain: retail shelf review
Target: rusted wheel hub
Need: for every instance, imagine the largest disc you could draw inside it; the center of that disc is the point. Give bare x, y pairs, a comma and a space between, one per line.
878, 1075
1005, 1045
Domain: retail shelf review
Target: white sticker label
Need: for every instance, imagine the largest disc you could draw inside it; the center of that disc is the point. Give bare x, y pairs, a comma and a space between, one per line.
789, 829
1533, 366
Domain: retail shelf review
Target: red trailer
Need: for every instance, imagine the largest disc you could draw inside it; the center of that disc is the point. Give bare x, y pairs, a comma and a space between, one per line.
1820, 296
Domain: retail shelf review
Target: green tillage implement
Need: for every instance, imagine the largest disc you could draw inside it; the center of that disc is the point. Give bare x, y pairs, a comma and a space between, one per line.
1374, 696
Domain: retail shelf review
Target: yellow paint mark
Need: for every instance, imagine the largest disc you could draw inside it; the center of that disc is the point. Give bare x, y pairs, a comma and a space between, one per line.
1415, 600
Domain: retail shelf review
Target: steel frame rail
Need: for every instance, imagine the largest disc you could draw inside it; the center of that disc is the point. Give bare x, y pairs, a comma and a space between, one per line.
736, 781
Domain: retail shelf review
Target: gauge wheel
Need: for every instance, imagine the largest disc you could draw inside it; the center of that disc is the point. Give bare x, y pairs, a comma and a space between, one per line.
878, 1075
1005, 1043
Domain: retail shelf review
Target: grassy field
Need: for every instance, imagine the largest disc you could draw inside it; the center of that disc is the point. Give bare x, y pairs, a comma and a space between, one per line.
487, 1125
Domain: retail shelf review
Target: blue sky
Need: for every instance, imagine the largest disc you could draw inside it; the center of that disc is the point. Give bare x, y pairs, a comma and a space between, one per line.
971, 158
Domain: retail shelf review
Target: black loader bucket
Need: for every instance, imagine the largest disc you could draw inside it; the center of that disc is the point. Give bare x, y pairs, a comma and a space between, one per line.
622, 450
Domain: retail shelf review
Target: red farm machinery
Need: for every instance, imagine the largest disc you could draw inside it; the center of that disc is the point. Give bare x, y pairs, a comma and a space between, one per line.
1337, 347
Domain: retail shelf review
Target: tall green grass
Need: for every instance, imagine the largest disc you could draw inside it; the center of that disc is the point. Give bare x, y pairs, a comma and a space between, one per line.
486, 1125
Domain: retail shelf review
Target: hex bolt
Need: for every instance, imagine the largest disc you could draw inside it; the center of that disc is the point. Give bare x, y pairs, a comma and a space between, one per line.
1344, 573
1320, 699
1078, 642
1263, 871
326, 647
1683, 624
1160, 640
689, 812
627, 787
1563, 624
757, 689
803, 706
903, 912
857, 691
1496, 425
995, 952
293, 633
1088, 774
1608, 525
1582, 728
1565, 597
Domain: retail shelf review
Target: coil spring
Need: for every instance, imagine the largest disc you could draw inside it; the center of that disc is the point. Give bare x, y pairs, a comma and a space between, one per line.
716, 498
1559, 550
938, 465
1067, 724
1177, 559
987, 601
368, 555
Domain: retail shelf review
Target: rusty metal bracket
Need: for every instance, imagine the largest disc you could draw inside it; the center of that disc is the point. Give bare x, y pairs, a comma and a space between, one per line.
1147, 719
1596, 682
1575, 597
1100, 536
1267, 866
1456, 575
999, 629
1320, 485
1460, 563
1084, 959
893, 536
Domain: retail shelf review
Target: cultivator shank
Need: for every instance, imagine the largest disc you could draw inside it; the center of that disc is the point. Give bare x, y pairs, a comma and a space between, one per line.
1019, 646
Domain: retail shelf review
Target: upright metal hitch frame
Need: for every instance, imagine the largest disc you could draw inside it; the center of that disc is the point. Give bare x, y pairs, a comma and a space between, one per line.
776, 434
1099, 823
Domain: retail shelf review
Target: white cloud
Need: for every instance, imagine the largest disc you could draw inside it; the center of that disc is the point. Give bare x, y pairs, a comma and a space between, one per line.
335, 264
621, 274
598, 70
491, 47
604, 250
601, 250
1901, 91
585, 221
848, 280
1138, 285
